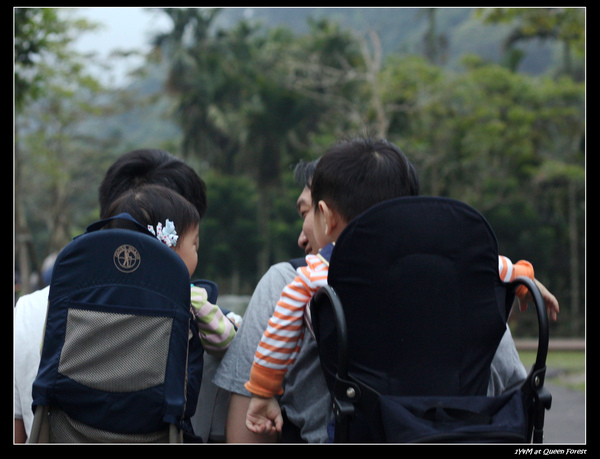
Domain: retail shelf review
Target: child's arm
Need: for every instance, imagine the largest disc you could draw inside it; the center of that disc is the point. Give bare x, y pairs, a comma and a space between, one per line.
282, 339
276, 351
509, 271
216, 330
549, 300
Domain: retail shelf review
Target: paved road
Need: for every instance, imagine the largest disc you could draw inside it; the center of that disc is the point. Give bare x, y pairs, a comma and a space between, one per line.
565, 422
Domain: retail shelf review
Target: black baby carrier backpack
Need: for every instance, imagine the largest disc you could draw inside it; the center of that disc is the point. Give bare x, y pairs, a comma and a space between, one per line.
409, 324
121, 358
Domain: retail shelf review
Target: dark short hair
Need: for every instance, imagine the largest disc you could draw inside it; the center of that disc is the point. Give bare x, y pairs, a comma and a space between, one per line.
304, 171
151, 166
153, 204
355, 174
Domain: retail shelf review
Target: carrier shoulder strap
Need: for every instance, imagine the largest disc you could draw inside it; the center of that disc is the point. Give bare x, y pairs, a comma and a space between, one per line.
297, 262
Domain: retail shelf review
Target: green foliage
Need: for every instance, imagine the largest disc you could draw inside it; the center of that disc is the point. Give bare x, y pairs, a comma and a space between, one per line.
565, 25
41, 45
228, 233
251, 100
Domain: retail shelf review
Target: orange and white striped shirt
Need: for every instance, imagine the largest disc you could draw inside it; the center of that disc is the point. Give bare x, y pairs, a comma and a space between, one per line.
281, 341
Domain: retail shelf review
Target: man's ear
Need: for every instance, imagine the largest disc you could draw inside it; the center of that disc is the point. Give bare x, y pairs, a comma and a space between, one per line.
330, 216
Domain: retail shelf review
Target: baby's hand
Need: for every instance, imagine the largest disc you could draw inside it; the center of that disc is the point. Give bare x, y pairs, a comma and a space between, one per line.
236, 319
264, 415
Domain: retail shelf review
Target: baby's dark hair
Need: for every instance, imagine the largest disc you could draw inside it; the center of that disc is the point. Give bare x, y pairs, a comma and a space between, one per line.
355, 174
153, 204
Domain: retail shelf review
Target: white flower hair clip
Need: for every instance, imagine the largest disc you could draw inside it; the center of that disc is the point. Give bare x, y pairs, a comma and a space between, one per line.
168, 235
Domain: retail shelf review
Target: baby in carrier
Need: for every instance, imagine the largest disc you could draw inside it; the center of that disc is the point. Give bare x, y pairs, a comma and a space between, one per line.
175, 222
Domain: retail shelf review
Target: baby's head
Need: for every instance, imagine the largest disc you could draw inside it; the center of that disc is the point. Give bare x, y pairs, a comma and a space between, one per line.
353, 175
167, 214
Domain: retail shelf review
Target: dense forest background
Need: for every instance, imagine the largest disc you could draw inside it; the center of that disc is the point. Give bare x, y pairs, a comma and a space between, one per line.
488, 103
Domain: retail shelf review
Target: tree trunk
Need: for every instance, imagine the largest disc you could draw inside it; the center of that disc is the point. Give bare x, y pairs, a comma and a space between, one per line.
23, 240
574, 255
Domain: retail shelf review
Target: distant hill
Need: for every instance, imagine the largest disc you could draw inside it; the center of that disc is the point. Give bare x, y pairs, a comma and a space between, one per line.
401, 30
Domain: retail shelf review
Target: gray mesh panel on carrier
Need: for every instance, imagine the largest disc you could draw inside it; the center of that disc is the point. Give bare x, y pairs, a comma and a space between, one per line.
112, 351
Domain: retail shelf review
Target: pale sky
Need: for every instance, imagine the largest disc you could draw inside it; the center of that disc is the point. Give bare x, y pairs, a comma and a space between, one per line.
124, 28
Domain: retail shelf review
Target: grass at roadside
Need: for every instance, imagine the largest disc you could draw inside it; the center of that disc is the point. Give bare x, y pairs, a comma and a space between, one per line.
565, 368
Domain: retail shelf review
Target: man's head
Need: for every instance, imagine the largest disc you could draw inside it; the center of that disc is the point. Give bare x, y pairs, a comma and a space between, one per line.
353, 175
151, 167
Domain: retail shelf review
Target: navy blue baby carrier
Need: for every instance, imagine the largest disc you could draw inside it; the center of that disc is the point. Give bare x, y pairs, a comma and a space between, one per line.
409, 323
121, 358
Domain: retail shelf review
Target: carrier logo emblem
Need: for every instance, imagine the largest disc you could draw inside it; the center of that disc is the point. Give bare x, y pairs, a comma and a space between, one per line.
127, 259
